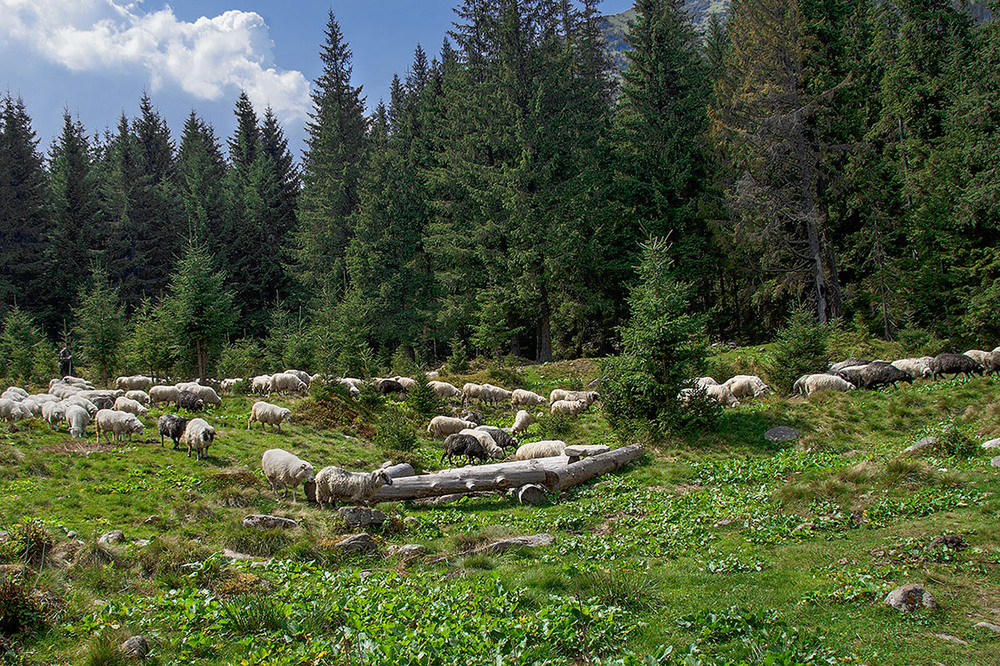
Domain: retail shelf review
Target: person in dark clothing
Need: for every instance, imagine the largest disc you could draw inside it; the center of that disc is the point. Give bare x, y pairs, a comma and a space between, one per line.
65, 361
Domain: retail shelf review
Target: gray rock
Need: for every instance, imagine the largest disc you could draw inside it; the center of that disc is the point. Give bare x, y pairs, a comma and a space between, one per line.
358, 516
995, 462
950, 541
142, 543
406, 551
909, 598
925, 443
153, 520
592, 384
989, 626
357, 544
137, 646
992, 444
781, 434
233, 555
114, 536
951, 639
533, 541
260, 522
71, 534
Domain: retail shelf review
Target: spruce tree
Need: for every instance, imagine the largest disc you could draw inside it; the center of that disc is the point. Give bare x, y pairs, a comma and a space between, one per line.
330, 169
100, 323
201, 171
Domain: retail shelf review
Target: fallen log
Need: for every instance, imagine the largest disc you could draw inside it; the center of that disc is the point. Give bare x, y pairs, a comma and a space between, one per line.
553, 474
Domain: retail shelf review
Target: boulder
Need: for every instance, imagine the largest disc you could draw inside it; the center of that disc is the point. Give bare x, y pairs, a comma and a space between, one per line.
137, 646
357, 544
533, 541
781, 434
108, 538
950, 541
992, 444
920, 446
989, 626
358, 516
909, 598
260, 522
995, 462
406, 551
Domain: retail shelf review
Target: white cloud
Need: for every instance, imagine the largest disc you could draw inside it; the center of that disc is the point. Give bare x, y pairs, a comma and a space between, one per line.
209, 58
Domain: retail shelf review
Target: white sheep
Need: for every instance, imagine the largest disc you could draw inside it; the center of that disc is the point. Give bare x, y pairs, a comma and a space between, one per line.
916, 367
334, 483
230, 383
722, 395
497, 394
13, 411
124, 404
569, 407
75, 381
134, 383
77, 418
303, 376
486, 439
140, 397
705, 382
442, 426
158, 394
35, 408
207, 394
472, 391
63, 391
544, 449
285, 469
747, 386
268, 414
54, 413
406, 382
978, 355
521, 421
527, 398
198, 436
562, 394
261, 384
119, 424
42, 398
445, 390
284, 382
809, 384
15, 393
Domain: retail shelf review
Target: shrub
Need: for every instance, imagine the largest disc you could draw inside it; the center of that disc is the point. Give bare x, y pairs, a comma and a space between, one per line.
254, 613
19, 612
25, 352
458, 361
629, 588
402, 365
28, 544
422, 399
393, 432
801, 349
243, 358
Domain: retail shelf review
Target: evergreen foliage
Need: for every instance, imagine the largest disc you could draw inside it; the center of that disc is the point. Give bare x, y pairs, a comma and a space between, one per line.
100, 323
801, 349
26, 355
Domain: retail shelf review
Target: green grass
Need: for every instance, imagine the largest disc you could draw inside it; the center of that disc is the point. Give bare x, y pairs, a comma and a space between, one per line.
718, 544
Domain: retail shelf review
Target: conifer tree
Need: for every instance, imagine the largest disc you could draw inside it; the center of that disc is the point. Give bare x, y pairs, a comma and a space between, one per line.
100, 323
201, 171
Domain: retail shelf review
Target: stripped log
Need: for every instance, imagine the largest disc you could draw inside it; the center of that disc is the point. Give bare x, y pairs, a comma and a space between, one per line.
576, 452
553, 474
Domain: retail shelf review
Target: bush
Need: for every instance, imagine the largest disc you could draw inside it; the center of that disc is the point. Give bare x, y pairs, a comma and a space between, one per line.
19, 612
29, 544
423, 400
458, 361
402, 365
25, 353
801, 349
243, 358
393, 432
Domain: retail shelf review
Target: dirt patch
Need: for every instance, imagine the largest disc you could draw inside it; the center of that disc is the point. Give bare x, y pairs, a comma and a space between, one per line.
80, 448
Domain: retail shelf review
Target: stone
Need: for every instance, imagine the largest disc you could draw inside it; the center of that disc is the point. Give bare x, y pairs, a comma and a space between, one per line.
358, 516
357, 544
260, 522
989, 626
142, 543
71, 534
153, 520
592, 384
406, 551
108, 538
533, 541
909, 598
233, 555
951, 639
723, 523
950, 541
995, 462
992, 444
781, 434
137, 646
925, 443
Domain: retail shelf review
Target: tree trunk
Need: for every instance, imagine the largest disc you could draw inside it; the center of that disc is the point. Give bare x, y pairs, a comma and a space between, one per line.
199, 353
544, 351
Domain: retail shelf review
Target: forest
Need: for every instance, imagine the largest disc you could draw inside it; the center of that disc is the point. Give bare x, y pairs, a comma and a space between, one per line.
822, 156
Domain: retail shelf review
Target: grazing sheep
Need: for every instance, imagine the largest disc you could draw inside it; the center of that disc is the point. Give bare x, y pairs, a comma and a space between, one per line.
123, 404
955, 364
442, 426
722, 395
503, 439
158, 394
879, 373
747, 386
12, 411
207, 395
527, 398
75, 381
140, 397
849, 363
407, 383
15, 393
134, 383
562, 394
261, 384
521, 421
77, 418
978, 355
121, 425
387, 386
42, 398
284, 382
471, 391
268, 414
333, 483
705, 382
35, 408
992, 365
445, 390
172, 426
489, 444
498, 394
569, 407
543, 449
229, 384
463, 445
198, 436
916, 367
851, 374
188, 386
189, 401
303, 376
809, 384
285, 469
54, 413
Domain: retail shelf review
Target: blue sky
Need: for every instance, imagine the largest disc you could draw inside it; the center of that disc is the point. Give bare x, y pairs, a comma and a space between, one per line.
95, 57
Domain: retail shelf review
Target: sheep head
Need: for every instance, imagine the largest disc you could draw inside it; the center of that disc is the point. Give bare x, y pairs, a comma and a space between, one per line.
381, 478
307, 472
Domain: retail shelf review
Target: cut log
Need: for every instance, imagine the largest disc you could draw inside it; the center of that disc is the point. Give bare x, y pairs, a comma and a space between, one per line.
399, 471
532, 494
576, 452
553, 474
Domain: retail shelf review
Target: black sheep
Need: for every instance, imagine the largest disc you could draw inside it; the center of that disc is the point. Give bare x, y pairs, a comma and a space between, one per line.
172, 426
189, 401
387, 386
463, 445
503, 439
879, 373
103, 401
955, 364
851, 374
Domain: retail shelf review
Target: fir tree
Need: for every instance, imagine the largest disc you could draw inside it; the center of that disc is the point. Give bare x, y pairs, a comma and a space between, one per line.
100, 323
201, 171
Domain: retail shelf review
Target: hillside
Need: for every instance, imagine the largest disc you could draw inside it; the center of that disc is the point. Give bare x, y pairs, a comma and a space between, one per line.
722, 545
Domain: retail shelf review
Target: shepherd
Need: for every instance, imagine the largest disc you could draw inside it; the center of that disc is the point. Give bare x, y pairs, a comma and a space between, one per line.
65, 361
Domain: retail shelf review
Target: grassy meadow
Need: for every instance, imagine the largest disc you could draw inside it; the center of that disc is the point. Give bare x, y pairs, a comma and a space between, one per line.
715, 548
